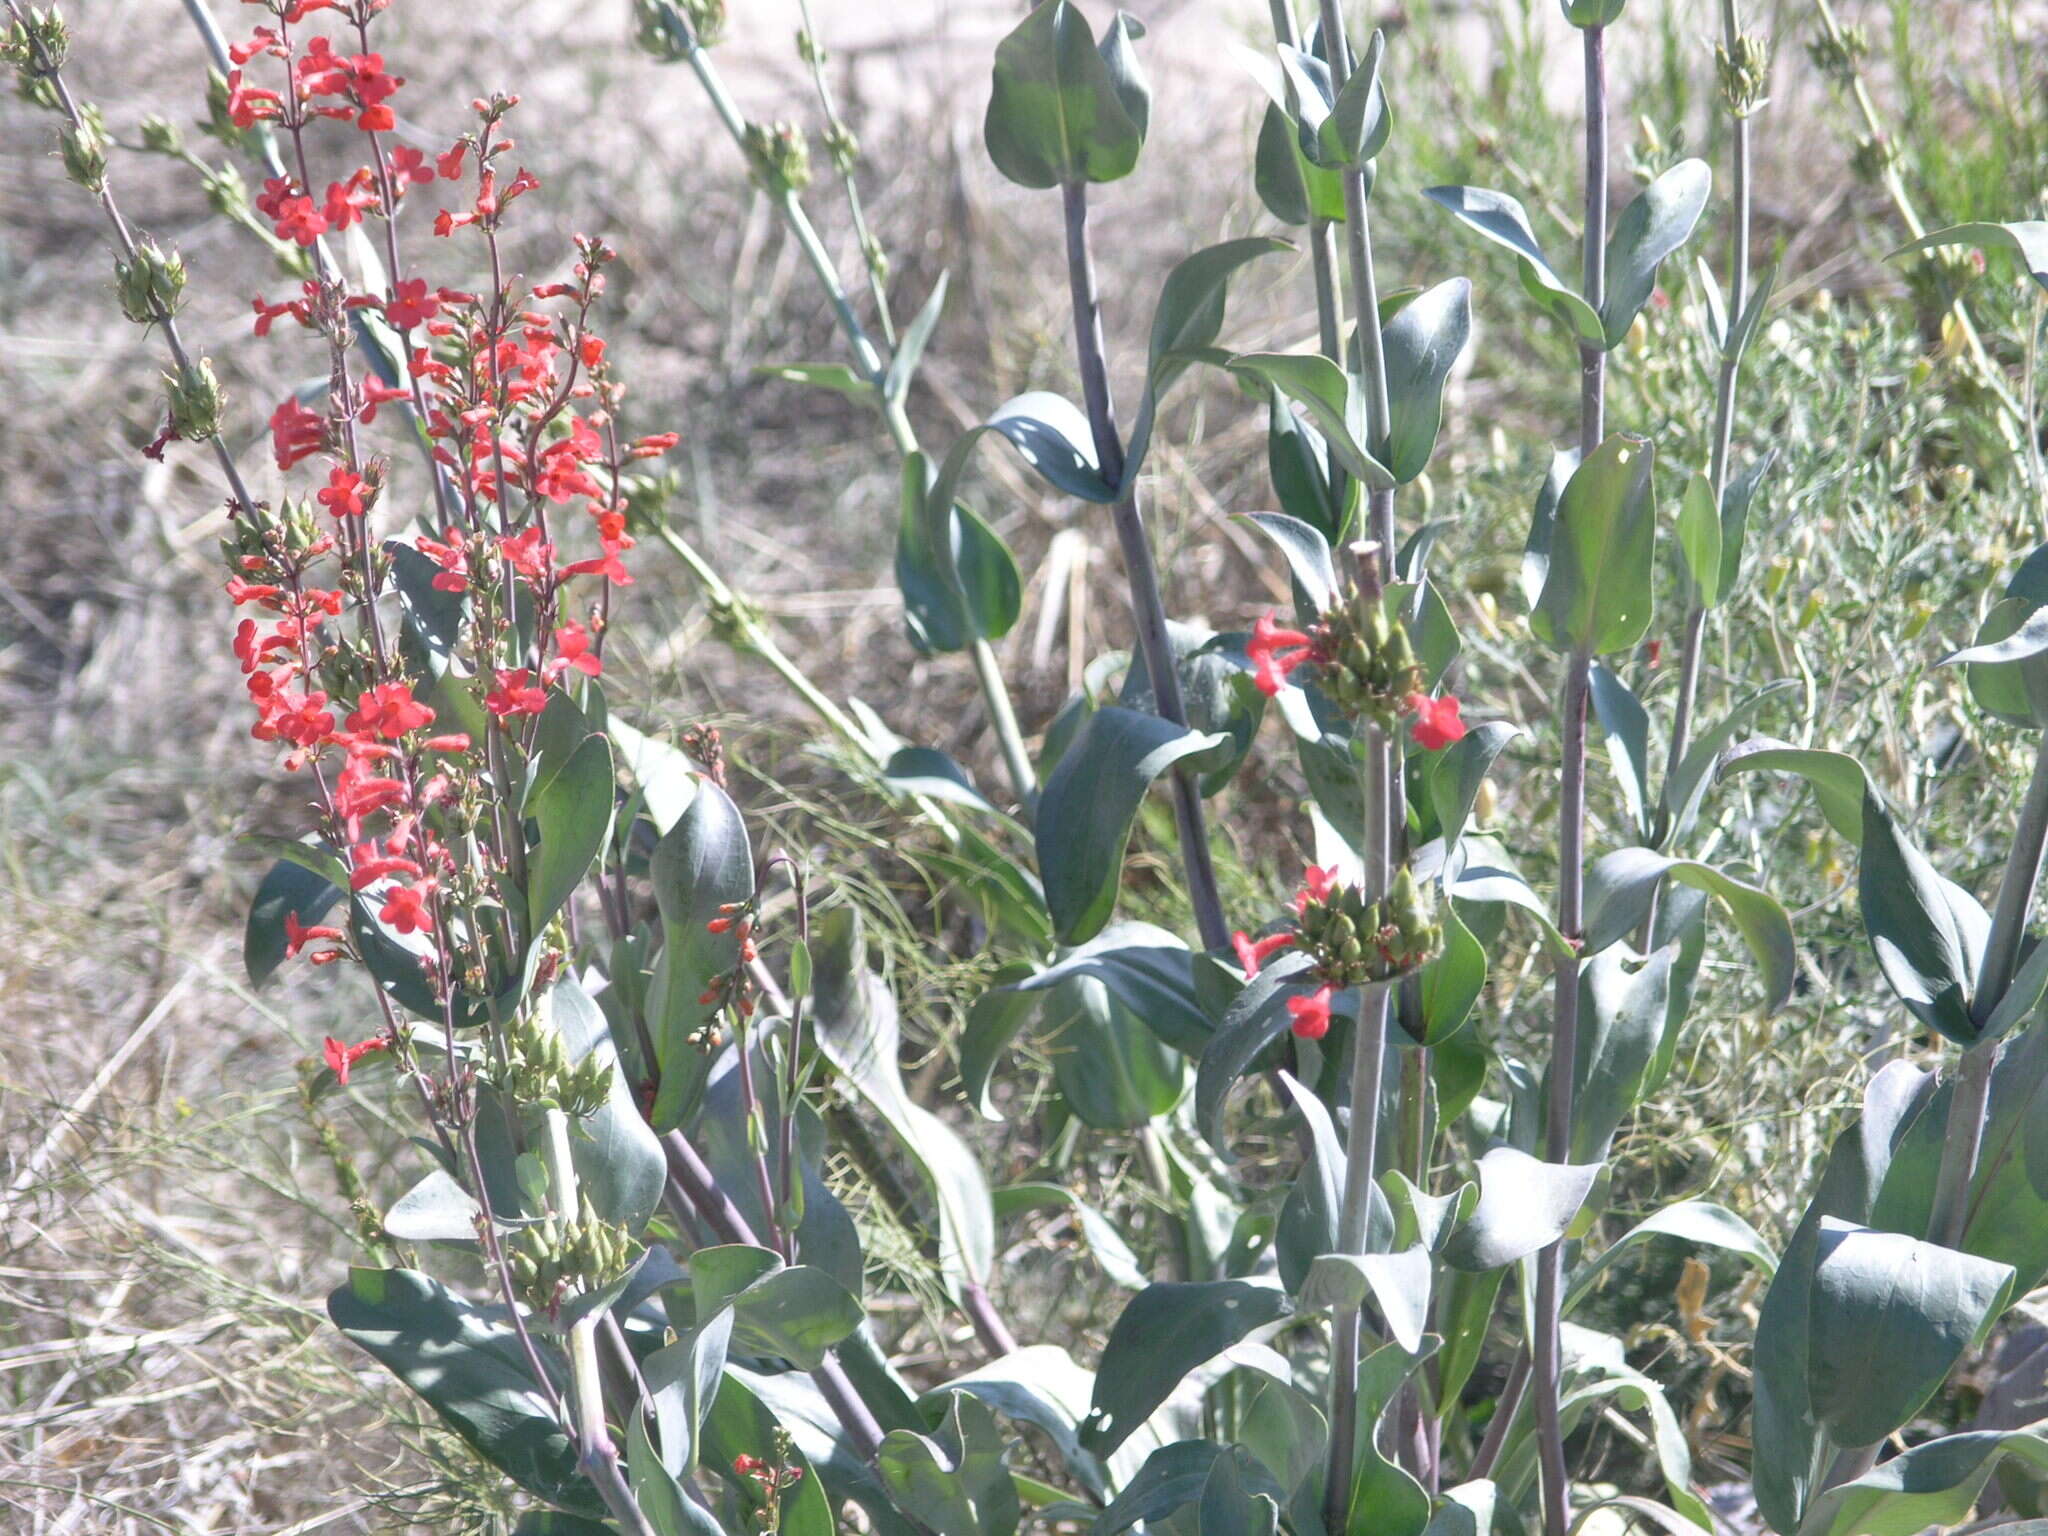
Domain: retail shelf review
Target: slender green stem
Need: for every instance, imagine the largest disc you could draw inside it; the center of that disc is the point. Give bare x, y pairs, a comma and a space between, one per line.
2009, 914
1148, 608
1558, 1123
596, 1454
1593, 357
1692, 648
873, 366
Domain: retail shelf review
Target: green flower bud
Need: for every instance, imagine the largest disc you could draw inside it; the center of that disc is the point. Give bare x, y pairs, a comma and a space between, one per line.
196, 402
83, 146
160, 136
1839, 56
38, 45
1592, 13
150, 286
779, 157
1743, 73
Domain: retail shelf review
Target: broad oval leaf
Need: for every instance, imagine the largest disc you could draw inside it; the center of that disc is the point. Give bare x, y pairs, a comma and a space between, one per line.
1083, 819
1500, 218
1657, 222
1165, 1332
1597, 591
1524, 1205
704, 862
1422, 343
2026, 238
1331, 400
1055, 113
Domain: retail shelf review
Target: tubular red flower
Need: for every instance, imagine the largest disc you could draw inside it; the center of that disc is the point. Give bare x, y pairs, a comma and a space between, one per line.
1275, 652
1438, 722
1311, 1014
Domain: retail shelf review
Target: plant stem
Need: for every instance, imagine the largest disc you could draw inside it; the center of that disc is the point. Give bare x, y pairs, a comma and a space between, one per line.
1593, 358
1692, 651
1558, 1125
596, 1454
692, 1187
1148, 610
1966, 1111
873, 367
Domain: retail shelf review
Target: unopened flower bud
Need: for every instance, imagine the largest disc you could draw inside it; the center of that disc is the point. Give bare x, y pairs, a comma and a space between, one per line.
779, 155
195, 400
1838, 55
37, 45
160, 136
83, 145
151, 285
1744, 73
1592, 13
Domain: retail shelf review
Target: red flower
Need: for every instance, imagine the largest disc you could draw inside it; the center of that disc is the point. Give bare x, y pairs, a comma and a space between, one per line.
344, 493
408, 165
452, 557
1275, 652
247, 104
342, 1057
1437, 721
389, 710
572, 644
410, 304
1317, 885
297, 936
298, 219
515, 694
405, 908
449, 162
296, 433
1251, 954
527, 554
1311, 1014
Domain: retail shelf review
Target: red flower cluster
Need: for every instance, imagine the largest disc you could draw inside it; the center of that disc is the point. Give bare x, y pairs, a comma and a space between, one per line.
342, 1057
518, 402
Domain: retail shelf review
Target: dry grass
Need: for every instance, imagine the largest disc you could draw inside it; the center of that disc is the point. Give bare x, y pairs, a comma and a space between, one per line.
167, 1223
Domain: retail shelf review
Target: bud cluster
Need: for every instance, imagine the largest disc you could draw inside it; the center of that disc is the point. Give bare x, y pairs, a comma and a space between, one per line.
1356, 942
1744, 73
552, 1260
151, 285
537, 1070
1371, 668
1840, 54
779, 157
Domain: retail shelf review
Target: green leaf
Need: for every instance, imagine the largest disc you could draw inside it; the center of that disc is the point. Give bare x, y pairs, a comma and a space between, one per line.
1422, 344
1039, 1385
1692, 1221
1619, 887
1686, 789
1084, 815
1133, 90
1228, 1508
1055, 113
1928, 934
682, 1380
571, 803
1049, 433
929, 772
1523, 1205
1293, 188
794, 1312
1312, 1214
1735, 505
1165, 1332
1385, 1499
1627, 724
1307, 551
702, 863
1148, 970
1699, 538
1217, 695
1360, 121
1655, 223
1500, 218
291, 888
666, 776
959, 580
470, 1368
858, 1030
1891, 1317
1751, 320
1452, 982
910, 346
993, 1020
836, 377
1934, 1485
1837, 778
1113, 1072
1543, 523
954, 1482
1333, 403
660, 1497
743, 1420
1459, 771
1399, 1282
1597, 591
1622, 1001
1185, 324
618, 1158
1174, 1477
1256, 1018
2026, 239
2006, 674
